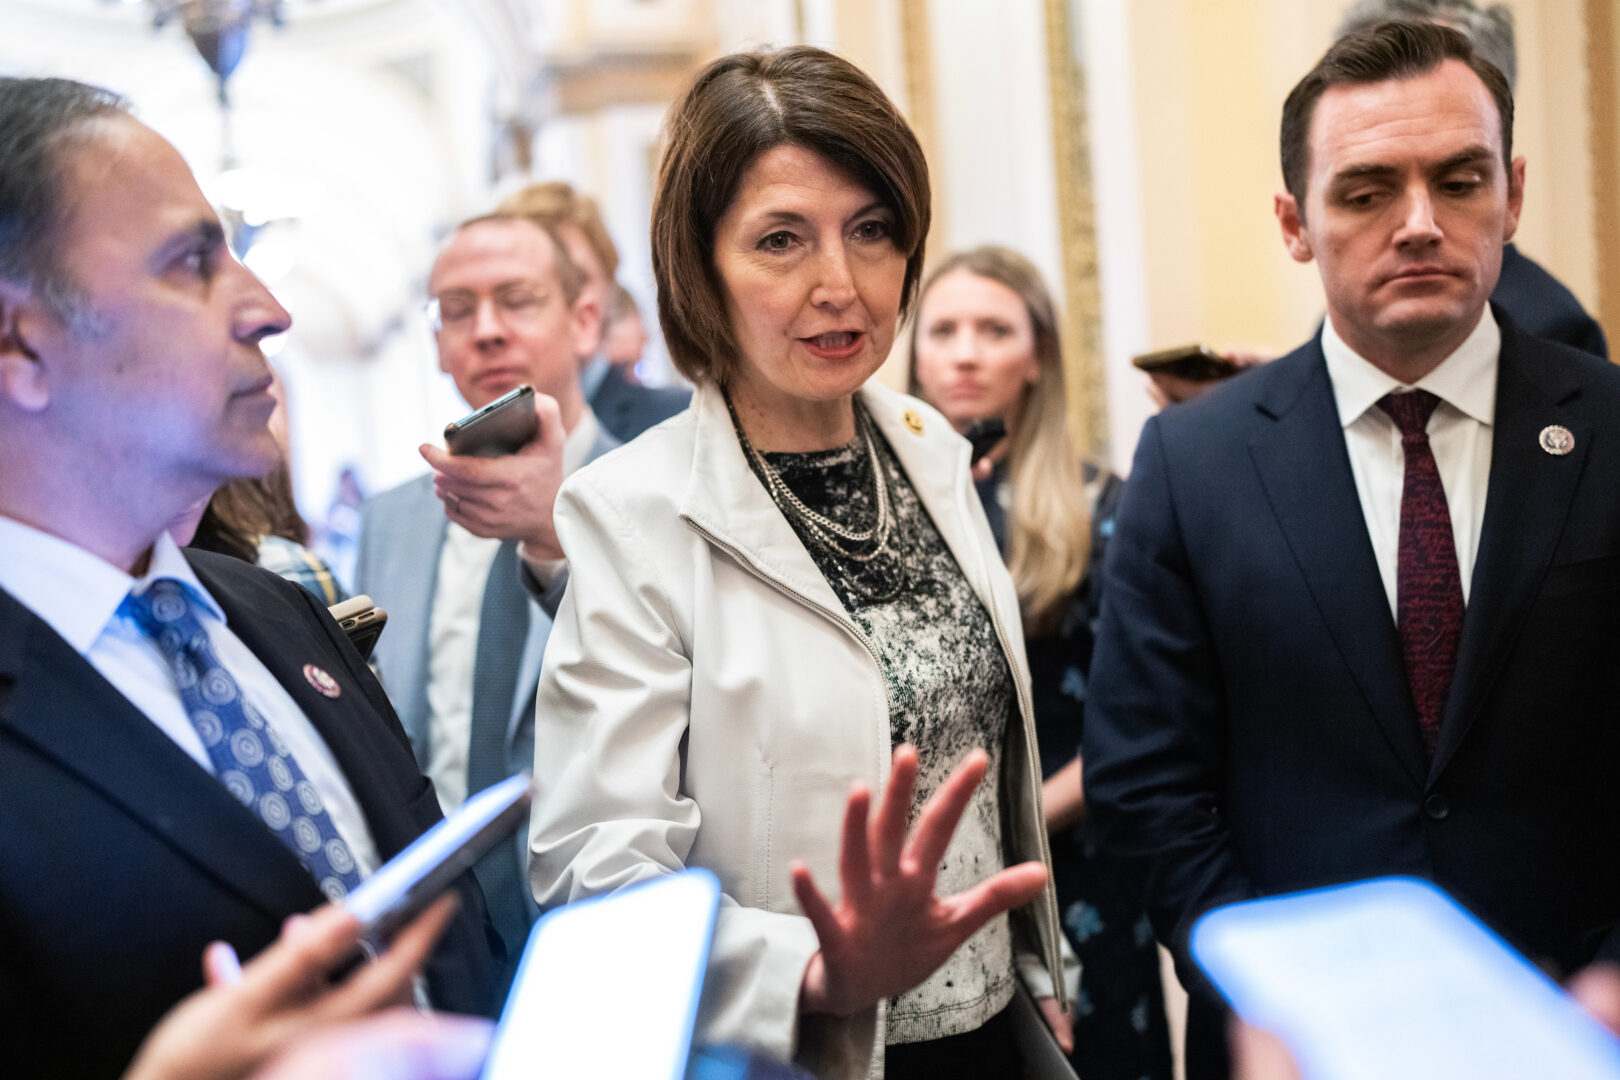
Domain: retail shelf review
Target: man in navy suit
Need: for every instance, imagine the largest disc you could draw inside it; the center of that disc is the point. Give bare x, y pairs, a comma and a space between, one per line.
131, 386
1363, 604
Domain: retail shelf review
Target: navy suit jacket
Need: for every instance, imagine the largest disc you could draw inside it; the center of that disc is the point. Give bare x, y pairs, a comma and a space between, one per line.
121, 859
1249, 728
1542, 307
627, 409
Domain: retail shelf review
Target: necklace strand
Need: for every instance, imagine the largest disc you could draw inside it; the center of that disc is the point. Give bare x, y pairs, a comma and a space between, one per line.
823, 528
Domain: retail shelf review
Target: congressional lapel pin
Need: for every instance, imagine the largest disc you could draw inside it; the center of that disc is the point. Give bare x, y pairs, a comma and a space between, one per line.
1557, 440
321, 681
913, 421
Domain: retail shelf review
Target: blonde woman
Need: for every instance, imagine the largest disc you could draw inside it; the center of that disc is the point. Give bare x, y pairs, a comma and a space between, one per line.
987, 347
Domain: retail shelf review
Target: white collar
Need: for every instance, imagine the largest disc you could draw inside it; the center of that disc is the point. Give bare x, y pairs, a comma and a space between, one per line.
577, 446
75, 592
1465, 380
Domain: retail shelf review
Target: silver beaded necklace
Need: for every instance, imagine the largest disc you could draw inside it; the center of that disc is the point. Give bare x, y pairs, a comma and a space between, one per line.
868, 543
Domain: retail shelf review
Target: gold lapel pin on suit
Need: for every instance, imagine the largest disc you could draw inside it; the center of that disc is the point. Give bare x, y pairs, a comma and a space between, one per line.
913, 421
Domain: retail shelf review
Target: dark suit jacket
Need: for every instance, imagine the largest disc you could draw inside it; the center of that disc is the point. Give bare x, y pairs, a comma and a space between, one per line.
120, 859
1542, 307
627, 409
1249, 728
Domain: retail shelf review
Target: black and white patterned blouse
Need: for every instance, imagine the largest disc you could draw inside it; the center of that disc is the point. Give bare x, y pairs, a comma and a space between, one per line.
949, 690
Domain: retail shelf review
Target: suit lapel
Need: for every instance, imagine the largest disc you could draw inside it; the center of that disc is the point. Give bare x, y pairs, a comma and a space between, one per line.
61, 706
1527, 502
279, 635
417, 538
1305, 471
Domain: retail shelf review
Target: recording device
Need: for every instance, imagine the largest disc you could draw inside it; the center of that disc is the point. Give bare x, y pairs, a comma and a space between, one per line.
502, 427
1392, 978
638, 953
983, 437
414, 878
1195, 363
362, 621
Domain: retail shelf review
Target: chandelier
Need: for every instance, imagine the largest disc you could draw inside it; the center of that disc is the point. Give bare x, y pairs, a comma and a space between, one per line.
218, 29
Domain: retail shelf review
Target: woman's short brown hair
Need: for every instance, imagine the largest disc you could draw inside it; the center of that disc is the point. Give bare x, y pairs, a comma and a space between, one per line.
736, 109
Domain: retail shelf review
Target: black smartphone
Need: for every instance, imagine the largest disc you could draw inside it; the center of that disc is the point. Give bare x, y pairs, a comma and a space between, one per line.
983, 437
414, 878
1195, 363
502, 427
362, 621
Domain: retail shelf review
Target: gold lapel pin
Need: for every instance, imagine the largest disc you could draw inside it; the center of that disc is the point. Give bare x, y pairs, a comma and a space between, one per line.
913, 421
1557, 440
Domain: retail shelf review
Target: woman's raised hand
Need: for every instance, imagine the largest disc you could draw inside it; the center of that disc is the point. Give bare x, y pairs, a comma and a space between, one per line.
890, 932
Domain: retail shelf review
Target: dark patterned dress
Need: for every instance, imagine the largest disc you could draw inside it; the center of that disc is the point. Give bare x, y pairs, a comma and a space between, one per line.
1120, 1030
949, 690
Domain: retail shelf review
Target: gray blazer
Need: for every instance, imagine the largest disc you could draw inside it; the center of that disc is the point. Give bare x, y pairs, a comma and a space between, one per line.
402, 532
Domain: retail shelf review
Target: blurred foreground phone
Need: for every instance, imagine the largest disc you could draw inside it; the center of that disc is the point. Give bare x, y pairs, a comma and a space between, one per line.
414, 878
1391, 979
502, 427
608, 988
1195, 363
362, 621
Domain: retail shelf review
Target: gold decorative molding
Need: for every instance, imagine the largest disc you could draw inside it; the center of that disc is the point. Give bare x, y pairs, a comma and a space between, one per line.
1077, 223
1603, 94
918, 55
587, 81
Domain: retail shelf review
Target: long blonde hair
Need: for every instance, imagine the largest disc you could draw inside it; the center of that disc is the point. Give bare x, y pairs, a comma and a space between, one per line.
1049, 526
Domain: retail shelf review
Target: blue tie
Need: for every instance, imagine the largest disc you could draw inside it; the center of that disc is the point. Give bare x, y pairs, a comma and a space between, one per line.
249, 757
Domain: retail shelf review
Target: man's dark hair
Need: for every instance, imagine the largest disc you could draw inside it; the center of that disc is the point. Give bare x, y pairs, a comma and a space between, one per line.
1391, 50
1488, 28
39, 120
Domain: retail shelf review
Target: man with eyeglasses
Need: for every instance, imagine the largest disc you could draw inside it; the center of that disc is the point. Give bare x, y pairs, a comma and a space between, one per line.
454, 555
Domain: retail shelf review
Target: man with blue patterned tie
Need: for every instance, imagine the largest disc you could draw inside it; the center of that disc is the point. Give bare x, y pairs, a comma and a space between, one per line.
189, 749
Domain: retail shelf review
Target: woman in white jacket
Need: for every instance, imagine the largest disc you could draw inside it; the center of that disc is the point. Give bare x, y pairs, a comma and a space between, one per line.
775, 589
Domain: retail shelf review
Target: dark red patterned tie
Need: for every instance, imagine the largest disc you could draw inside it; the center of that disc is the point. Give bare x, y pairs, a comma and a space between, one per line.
1428, 588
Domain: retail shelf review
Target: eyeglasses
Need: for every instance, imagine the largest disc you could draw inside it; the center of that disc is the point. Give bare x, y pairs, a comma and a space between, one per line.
517, 303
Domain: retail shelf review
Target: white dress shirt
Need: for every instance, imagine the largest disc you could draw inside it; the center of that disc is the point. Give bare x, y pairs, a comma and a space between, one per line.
458, 604
78, 595
1459, 436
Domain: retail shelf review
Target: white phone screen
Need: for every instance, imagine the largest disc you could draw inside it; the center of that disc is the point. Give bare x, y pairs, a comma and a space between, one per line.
1390, 979
608, 988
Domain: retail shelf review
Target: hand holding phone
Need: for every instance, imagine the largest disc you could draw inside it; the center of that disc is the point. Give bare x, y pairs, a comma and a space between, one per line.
509, 496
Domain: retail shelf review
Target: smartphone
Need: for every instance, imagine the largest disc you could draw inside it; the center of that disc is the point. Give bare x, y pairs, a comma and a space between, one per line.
414, 878
502, 427
362, 621
983, 437
1195, 363
608, 988
1392, 978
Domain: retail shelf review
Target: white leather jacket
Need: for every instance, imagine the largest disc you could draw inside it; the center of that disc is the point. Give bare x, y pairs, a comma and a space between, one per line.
707, 701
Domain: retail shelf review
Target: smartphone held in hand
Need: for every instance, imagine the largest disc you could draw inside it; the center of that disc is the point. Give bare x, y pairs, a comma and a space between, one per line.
502, 427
